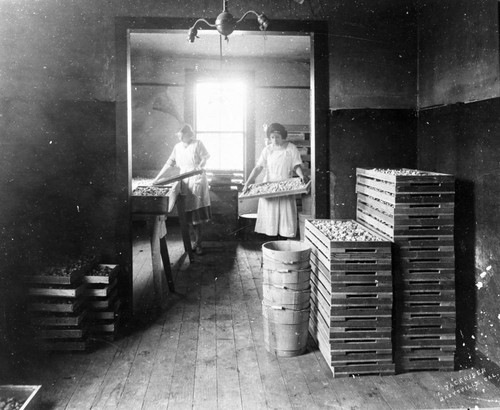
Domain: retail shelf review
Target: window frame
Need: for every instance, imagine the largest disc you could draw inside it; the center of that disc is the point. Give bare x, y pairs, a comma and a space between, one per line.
194, 76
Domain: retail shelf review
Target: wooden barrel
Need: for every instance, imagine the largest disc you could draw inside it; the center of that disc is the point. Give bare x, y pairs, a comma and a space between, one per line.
285, 330
291, 279
286, 296
276, 295
291, 255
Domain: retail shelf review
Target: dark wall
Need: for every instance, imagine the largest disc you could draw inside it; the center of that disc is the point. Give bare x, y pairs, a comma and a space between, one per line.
462, 140
458, 63
367, 139
458, 51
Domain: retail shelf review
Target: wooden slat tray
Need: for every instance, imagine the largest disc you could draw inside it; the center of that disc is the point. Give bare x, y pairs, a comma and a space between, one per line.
425, 241
64, 319
341, 345
362, 321
342, 312
327, 276
433, 273
59, 292
360, 265
416, 329
429, 307
110, 313
447, 366
70, 279
151, 205
378, 333
321, 241
425, 253
405, 198
103, 303
101, 290
405, 210
440, 339
372, 369
298, 191
109, 327
423, 177
400, 221
405, 187
56, 305
430, 351
361, 355
27, 395
106, 274
61, 333
430, 322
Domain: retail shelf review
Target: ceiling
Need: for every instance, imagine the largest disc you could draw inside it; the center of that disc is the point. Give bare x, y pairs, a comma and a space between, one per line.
241, 44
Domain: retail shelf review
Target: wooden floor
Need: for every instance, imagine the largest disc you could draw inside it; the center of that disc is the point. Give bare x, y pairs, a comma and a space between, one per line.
205, 350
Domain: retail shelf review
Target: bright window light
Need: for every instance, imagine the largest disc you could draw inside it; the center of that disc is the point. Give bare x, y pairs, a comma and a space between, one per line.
220, 122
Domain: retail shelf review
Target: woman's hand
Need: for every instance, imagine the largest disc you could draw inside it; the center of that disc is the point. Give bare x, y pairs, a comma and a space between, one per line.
304, 179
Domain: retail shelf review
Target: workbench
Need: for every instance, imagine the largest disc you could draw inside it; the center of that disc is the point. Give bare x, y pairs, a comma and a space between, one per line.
154, 211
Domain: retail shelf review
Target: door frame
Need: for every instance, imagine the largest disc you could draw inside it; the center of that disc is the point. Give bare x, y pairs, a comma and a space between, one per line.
319, 110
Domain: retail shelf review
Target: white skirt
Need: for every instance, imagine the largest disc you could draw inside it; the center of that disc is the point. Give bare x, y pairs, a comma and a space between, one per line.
277, 216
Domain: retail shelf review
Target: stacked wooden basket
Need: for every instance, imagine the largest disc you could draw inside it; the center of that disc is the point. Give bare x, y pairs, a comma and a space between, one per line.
286, 294
351, 297
415, 210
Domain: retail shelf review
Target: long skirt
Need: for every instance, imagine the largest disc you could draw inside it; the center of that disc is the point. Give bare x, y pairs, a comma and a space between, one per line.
277, 216
199, 216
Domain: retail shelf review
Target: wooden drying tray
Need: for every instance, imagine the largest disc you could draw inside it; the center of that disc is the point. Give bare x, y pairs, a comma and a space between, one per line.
298, 191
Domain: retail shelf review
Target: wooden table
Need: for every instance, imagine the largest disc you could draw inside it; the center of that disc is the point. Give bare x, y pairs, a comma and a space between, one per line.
156, 217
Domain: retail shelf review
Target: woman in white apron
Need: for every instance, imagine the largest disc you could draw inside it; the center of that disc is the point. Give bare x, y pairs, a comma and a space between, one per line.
279, 159
190, 154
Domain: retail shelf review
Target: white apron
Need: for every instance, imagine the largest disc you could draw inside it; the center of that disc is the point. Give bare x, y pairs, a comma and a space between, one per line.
278, 215
194, 188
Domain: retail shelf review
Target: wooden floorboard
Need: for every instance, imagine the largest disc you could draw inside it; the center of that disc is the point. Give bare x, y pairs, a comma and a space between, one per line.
204, 349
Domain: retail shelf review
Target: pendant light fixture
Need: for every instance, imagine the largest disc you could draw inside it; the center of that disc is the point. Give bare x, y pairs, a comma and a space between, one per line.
225, 23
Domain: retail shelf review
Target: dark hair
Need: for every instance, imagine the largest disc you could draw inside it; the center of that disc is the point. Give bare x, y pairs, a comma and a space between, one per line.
276, 127
186, 129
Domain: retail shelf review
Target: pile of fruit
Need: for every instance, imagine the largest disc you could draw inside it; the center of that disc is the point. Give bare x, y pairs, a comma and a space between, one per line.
400, 172
345, 231
291, 184
10, 403
100, 270
150, 191
68, 267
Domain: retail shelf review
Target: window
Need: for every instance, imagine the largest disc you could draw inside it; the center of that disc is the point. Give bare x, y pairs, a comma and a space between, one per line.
220, 116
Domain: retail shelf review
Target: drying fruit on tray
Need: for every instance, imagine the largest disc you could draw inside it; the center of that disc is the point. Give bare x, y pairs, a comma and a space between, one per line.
101, 270
69, 267
150, 191
400, 172
344, 231
10, 403
269, 188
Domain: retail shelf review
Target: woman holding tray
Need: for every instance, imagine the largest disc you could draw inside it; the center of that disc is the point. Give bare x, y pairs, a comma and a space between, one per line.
189, 154
279, 159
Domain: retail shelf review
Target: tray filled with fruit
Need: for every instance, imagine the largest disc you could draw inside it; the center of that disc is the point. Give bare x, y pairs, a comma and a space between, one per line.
66, 272
102, 273
286, 187
22, 397
151, 199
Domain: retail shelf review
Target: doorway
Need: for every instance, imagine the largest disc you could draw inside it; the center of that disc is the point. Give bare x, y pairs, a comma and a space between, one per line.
315, 31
